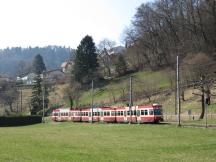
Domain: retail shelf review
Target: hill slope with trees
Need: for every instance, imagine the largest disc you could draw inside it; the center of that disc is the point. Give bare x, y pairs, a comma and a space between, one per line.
17, 60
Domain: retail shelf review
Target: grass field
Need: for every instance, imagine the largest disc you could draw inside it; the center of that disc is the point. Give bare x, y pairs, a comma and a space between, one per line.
59, 142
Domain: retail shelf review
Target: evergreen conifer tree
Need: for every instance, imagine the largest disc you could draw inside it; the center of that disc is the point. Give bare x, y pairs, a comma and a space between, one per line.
85, 60
38, 65
38, 68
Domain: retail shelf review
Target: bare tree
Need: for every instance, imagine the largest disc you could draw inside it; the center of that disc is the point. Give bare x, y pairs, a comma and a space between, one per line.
163, 29
202, 68
73, 93
103, 49
8, 93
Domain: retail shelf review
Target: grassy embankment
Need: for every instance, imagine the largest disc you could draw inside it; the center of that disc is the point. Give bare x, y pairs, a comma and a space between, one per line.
106, 142
141, 81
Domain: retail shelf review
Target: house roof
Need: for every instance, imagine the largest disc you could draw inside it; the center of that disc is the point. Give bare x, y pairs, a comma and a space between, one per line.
54, 70
64, 64
117, 50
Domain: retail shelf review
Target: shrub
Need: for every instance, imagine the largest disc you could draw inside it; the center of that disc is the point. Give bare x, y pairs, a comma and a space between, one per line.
19, 120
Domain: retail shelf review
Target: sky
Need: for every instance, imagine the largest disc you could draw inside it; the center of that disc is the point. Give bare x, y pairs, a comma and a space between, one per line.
63, 22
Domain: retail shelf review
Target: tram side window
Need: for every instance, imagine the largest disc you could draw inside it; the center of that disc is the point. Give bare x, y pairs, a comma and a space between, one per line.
66, 114
138, 112
142, 112
101, 113
106, 113
122, 113
128, 113
134, 112
112, 113
151, 112
118, 113
55, 114
146, 112
95, 113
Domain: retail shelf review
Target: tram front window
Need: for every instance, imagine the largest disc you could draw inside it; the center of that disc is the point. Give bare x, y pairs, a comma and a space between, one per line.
157, 111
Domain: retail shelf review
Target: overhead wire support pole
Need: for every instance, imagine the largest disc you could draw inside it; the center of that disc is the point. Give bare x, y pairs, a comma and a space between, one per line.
206, 113
178, 92
131, 102
43, 95
21, 100
92, 101
206, 109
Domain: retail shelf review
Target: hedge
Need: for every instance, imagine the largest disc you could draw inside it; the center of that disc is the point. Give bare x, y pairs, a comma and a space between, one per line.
19, 120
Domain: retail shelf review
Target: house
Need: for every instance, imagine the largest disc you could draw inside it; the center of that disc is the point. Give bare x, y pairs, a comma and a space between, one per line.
27, 78
119, 50
55, 76
110, 57
66, 66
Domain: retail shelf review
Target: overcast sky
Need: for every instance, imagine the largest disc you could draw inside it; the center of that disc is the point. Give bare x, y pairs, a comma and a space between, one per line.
63, 22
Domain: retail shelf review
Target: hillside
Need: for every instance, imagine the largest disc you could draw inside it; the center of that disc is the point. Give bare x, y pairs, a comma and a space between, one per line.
148, 87
17, 60
115, 93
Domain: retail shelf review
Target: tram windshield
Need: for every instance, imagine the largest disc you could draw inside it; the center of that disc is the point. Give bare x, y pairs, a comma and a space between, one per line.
158, 111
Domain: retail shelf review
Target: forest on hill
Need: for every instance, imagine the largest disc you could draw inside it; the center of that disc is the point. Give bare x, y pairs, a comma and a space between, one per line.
17, 60
163, 29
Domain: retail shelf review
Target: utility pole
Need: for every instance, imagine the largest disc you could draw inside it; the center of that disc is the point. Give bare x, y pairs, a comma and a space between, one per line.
43, 95
92, 101
177, 92
206, 114
21, 100
131, 102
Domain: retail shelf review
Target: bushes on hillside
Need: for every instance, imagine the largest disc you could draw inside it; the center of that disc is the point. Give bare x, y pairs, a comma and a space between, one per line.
19, 120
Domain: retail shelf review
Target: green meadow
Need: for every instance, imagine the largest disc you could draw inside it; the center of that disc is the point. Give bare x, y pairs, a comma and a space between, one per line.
67, 141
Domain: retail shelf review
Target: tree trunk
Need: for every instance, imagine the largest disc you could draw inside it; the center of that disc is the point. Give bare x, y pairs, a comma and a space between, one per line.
11, 107
71, 102
183, 95
203, 106
109, 71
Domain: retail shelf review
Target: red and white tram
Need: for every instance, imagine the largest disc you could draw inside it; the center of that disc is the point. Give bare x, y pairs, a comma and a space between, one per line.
135, 114
75, 115
108, 115
61, 115
149, 114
